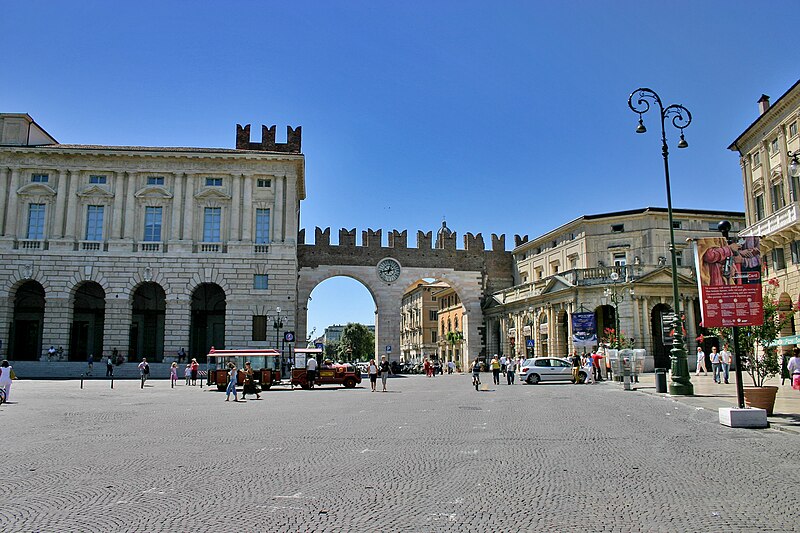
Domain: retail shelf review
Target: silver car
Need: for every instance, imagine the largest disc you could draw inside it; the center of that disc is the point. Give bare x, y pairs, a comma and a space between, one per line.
539, 369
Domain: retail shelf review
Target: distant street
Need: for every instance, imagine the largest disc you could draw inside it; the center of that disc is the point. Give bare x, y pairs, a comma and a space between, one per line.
430, 455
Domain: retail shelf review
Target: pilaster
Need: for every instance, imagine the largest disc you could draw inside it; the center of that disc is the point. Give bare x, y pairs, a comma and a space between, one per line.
13, 210
56, 323
116, 328
3, 197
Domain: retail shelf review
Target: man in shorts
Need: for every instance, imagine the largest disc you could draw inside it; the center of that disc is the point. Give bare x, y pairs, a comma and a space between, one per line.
311, 371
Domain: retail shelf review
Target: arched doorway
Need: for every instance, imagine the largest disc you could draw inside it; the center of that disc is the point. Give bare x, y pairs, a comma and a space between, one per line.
88, 319
606, 320
26, 333
208, 320
562, 333
147, 323
661, 350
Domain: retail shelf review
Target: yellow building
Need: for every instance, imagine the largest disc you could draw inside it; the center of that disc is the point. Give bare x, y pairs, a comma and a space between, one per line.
451, 332
418, 325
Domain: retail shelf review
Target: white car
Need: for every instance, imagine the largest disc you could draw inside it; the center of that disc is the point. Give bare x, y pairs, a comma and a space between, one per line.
538, 369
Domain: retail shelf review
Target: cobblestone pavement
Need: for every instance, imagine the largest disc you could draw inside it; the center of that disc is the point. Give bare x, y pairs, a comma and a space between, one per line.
430, 455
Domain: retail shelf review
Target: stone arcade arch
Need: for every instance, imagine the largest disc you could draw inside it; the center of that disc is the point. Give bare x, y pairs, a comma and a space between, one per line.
208, 320
26, 331
473, 273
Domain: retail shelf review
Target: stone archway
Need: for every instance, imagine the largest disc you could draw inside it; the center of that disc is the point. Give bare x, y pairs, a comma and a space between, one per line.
26, 331
208, 320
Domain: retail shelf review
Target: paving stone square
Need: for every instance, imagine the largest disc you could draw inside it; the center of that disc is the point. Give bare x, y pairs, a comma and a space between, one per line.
432, 454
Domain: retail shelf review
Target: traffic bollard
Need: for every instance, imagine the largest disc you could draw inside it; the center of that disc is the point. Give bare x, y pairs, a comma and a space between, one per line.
81, 380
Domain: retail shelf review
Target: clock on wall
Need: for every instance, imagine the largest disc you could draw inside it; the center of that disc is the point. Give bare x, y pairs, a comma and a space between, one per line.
388, 270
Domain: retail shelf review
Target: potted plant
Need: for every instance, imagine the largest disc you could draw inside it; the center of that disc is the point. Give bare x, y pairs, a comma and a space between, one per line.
758, 352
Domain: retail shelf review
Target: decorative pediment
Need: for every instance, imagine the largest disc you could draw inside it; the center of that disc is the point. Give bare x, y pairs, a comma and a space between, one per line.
36, 189
212, 194
153, 192
662, 276
95, 191
556, 284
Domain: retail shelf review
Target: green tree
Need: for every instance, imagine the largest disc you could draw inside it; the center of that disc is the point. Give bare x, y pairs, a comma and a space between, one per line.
332, 350
357, 343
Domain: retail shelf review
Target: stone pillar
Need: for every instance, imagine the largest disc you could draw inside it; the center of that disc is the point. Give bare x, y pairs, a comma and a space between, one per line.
236, 195
3, 197
72, 203
61, 204
291, 213
130, 207
6, 317
551, 332
570, 345
56, 324
247, 210
648, 341
637, 330
117, 326
188, 208
119, 196
12, 214
175, 211
277, 211
177, 324
691, 327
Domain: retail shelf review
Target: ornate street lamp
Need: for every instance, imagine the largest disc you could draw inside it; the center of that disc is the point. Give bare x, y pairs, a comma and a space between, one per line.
277, 323
640, 102
793, 166
616, 298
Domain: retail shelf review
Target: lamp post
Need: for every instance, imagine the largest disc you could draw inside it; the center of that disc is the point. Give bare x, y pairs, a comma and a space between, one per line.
640, 102
277, 323
616, 298
530, 324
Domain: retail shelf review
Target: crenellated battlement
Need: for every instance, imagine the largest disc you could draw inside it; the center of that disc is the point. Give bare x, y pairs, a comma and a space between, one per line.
268, 144
398, 240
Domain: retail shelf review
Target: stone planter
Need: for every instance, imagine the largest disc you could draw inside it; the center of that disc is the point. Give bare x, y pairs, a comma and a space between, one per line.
761, 397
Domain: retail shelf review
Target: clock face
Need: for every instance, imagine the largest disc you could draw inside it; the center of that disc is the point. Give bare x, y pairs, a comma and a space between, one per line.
388, 270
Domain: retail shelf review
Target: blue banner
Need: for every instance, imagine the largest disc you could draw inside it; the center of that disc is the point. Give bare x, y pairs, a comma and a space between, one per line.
584, 329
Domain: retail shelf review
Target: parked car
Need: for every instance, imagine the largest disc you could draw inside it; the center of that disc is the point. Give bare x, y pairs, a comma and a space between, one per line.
538, 369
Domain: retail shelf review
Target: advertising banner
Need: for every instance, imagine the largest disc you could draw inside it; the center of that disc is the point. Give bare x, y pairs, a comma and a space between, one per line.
667, 327
729, 281
584, 329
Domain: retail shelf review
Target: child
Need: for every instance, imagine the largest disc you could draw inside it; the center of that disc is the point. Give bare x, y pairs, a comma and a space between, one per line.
187, 373
173, 374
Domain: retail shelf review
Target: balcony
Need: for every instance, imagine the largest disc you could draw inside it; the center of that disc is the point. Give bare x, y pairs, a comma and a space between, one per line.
210, 247
261, 248
30, 244
778, 221
92, 246
151, 247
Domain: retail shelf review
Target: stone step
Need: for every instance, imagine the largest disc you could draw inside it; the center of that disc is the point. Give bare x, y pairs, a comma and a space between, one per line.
73, 370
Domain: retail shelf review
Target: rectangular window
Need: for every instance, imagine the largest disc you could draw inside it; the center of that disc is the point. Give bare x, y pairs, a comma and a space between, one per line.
677, 224
432, 315
792, 129
778, 261
94, 223
795, 188
261, 281
259, 327
262, 226
155, 180
434, 336
759, 207
620, 259
98, 180
617, 228
778, 201
678, 258
261, 182
40, 178
795, 247
152, 224
36, 221
212, 218
756, 159
774, 146
213, 182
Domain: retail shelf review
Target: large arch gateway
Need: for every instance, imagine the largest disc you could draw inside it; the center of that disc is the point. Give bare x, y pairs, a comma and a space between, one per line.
473, 273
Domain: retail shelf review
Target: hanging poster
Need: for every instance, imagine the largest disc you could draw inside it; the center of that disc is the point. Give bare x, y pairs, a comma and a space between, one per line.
729, 281
584, 329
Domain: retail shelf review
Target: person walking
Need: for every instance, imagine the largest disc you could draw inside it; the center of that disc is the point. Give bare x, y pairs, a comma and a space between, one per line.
187, 374
195, 369
716, 366
6, 375
90, 364
576, 367
173, 374
511, 367
426, 365
495, 366
311, 371
233, 377
109, 367
727, 357
597, 359
372, 371
384, 368
250, 386
793, 367
503, 362
591, 373
701, 361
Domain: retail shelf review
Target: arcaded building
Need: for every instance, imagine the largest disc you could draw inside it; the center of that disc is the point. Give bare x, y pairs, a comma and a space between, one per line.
145, 250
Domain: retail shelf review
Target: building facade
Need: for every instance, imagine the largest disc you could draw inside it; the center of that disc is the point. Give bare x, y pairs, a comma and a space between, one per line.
451, 327
615, 265
142, 251
418, 325
769, 157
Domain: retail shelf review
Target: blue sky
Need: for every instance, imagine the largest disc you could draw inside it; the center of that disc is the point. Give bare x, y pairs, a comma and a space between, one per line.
504, 117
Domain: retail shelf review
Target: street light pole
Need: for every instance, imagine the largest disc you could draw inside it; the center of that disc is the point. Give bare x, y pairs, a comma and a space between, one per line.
640, 102
277, 323
616, 297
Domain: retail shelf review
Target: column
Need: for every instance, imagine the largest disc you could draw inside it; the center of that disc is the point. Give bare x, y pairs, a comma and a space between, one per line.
119, 196
747, 178
188, 208
175, 213
637, 334
691, 324
72, 202
235, 211
130, 206
61, 204
117, 324
277, 227
648, 342
56, 323
177, 324
11, 214
551, 331
569, 308
3, 196
247, 211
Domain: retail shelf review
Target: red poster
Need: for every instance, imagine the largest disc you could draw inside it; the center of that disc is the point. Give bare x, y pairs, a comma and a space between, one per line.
729, 280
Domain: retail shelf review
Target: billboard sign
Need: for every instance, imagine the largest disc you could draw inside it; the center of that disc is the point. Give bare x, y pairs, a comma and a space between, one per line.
584, 329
